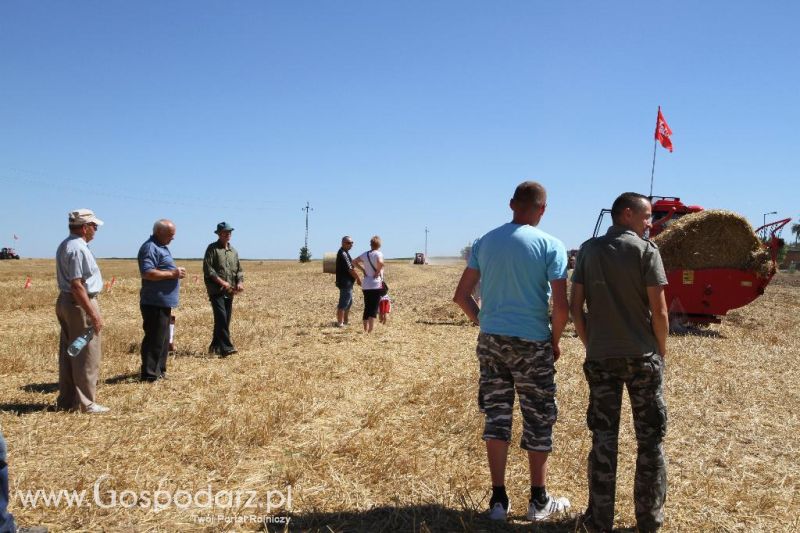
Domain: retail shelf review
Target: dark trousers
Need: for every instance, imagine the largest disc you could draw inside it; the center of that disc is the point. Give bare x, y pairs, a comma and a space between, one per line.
6, 520
222, 306
643, 377
155, 345
372, 298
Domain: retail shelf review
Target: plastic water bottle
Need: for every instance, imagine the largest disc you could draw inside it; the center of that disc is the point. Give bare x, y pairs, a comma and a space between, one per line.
172, 333
80, 343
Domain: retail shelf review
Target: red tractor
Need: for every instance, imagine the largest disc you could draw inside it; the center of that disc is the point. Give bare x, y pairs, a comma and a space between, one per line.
8, 253
703, 296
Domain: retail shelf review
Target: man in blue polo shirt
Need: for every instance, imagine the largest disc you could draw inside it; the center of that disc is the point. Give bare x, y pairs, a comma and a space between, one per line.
159, 294
519, 267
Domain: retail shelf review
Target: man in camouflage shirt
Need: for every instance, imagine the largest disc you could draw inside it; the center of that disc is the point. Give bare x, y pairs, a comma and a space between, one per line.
223, 277
621, 279
519, 267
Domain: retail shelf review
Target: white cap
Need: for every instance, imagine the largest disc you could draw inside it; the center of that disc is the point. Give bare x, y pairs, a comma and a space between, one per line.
80, 217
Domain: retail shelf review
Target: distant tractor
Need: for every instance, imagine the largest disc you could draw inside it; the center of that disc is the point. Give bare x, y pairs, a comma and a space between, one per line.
8, 253
419, 258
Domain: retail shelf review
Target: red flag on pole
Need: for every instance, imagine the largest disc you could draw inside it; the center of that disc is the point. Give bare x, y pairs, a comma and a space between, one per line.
663, 132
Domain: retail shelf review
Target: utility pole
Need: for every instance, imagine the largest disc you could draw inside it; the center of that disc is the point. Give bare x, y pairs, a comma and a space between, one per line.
426, 243
305, 255
307, 208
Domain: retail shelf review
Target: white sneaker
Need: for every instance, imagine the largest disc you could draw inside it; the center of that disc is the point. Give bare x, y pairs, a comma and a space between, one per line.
498, 512
96, 409
552, 506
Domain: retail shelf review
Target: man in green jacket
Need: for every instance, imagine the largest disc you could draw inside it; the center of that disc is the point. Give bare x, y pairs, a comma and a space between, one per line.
224, 278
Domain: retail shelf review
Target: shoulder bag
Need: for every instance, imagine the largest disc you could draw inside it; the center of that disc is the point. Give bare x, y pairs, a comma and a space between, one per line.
384, 288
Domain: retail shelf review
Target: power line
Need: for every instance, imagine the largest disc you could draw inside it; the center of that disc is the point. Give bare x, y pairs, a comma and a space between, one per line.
70, 185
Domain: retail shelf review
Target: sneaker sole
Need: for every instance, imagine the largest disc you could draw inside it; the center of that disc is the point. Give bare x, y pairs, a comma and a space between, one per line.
504, 518
561, 502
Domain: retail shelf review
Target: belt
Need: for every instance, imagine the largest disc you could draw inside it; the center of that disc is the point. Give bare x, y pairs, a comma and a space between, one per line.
91, 295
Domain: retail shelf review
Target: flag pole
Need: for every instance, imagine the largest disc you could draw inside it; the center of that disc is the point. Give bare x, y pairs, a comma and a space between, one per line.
653, 171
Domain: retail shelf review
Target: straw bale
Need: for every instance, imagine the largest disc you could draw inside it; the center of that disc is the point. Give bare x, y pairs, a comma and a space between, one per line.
713, 238
329, 263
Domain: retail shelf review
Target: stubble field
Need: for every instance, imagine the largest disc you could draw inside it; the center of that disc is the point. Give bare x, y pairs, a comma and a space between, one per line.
373, 432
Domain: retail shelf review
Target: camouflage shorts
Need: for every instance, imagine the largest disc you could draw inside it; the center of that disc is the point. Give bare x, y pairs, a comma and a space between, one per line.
509, 363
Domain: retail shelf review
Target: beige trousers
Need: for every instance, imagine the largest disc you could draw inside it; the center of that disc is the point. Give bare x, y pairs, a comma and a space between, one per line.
77, 376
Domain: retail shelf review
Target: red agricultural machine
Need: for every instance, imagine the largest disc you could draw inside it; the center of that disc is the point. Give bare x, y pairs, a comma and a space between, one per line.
8, 253
703, 296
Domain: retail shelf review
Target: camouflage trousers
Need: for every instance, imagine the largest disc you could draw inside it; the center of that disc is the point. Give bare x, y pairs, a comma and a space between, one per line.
643, 378
509, 363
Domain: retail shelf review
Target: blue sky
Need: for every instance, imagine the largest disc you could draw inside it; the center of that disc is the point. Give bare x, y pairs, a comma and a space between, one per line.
386, 116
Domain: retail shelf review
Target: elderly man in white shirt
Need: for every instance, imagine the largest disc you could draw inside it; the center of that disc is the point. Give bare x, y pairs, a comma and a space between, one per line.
79, 281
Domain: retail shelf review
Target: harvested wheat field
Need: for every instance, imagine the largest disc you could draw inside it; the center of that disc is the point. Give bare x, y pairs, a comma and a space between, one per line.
369, 433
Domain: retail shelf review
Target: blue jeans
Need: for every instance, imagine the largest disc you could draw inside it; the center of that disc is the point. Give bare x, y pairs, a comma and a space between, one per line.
6, 520
345, 297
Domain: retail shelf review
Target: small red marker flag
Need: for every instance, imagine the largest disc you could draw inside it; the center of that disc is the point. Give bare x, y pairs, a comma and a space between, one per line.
663, 131
28, 282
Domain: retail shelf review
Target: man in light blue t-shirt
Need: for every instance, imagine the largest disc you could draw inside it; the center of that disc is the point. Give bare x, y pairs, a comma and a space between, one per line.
519, 267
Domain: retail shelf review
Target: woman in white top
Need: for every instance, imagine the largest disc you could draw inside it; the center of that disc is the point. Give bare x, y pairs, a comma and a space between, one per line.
371, 264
